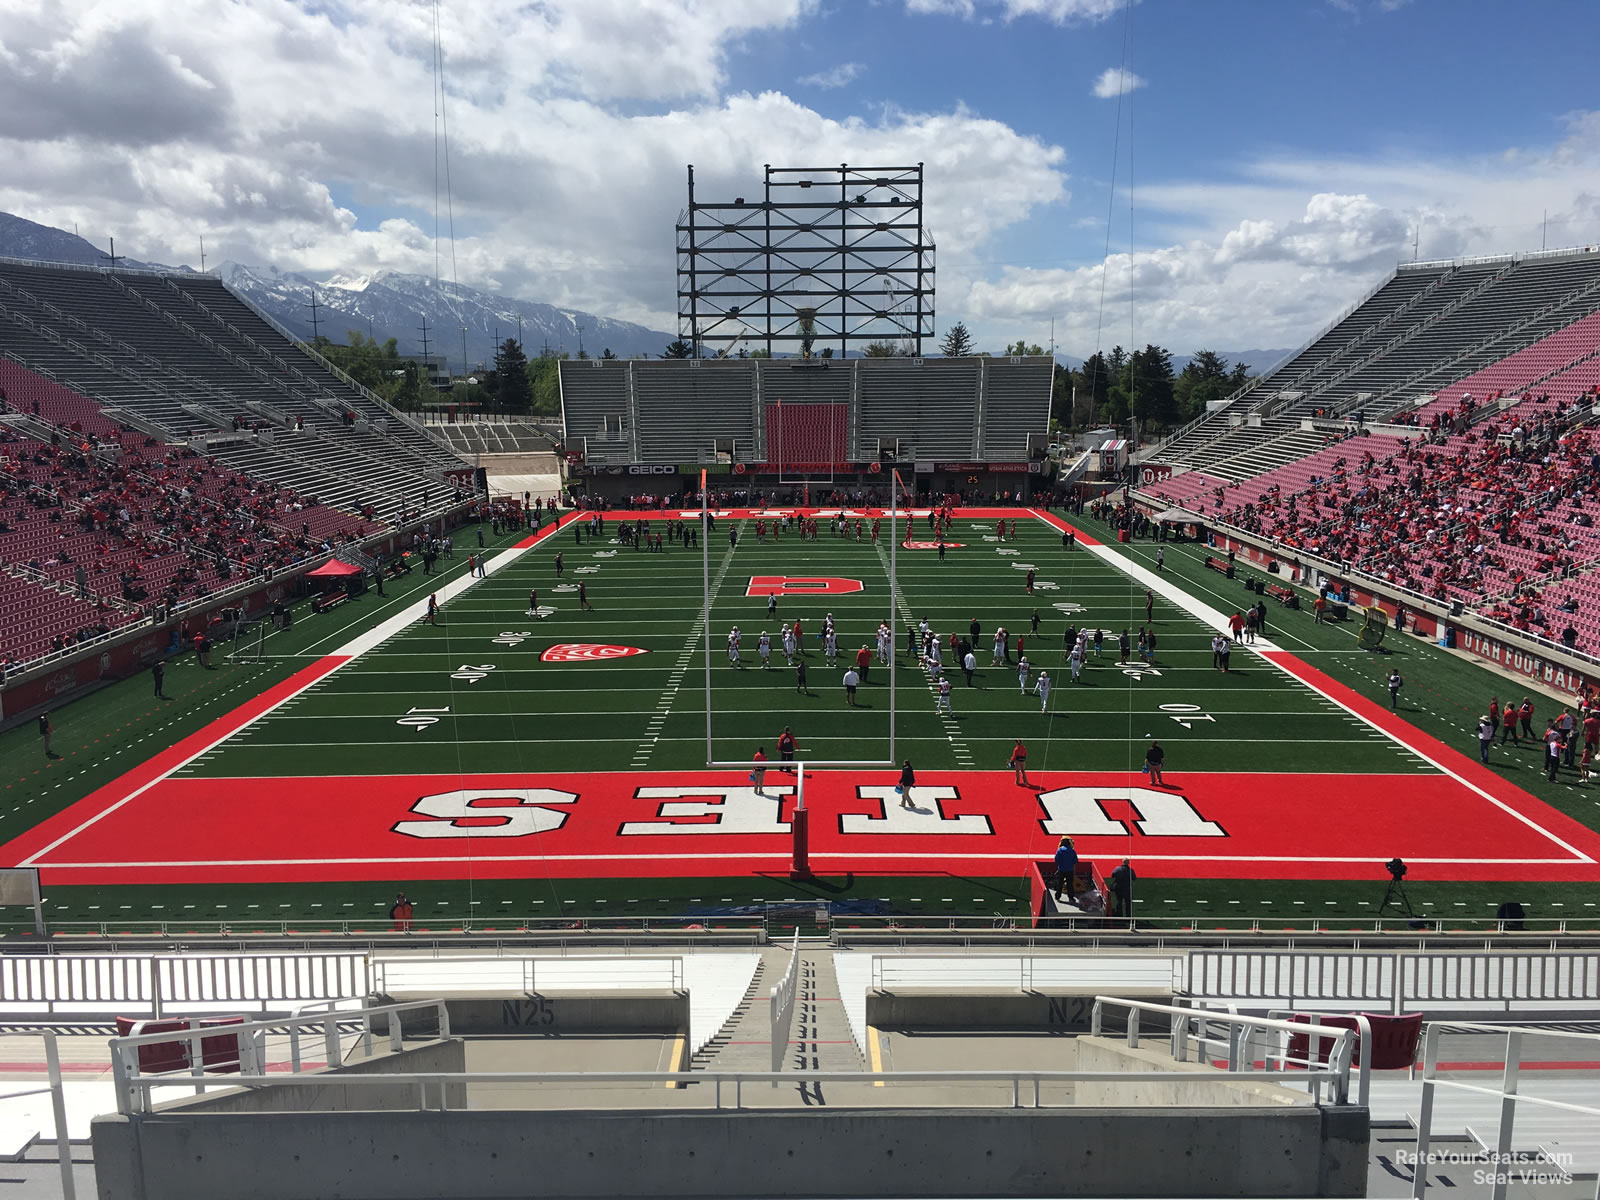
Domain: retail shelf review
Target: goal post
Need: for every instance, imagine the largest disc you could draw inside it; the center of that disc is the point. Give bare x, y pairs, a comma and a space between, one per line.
893, 599
19, 887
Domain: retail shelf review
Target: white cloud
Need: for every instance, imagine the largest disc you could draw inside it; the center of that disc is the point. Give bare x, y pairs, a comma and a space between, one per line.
833, 77
1271, 257
315, 151
1116, 81
1059, 12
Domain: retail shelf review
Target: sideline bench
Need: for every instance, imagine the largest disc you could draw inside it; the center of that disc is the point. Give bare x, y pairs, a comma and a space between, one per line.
322, 604
1221, 565
1285, 596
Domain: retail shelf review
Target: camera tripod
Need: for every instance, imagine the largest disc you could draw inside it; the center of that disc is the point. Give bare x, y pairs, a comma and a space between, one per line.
1395, 897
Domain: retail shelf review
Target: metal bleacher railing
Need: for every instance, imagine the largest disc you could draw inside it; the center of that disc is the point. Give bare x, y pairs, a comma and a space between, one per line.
136, 985
259, 1063
1024, 972
782, 1006
527, 973
1398, 980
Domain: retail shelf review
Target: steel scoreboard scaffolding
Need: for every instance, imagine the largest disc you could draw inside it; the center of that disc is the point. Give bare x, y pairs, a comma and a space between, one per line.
827, 260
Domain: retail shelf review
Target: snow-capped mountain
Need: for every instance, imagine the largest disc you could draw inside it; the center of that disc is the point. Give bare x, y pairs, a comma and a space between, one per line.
395, 304
384, 304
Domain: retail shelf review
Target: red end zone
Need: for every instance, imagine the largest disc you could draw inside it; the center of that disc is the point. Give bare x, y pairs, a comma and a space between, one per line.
194, 830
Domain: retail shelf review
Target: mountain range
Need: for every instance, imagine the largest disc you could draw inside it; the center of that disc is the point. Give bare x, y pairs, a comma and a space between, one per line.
384, 304
394, 304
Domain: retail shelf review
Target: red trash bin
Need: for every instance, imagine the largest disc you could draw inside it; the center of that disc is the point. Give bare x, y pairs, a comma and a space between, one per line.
1122, 535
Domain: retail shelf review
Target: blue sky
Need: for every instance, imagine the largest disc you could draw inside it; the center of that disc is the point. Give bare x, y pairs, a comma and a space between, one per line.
1284, 154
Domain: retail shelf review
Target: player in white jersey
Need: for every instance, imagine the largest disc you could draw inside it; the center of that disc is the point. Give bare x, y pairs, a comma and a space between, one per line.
733, 647
830, 646
883, 642
1042, 690
764, 649
1076, 659
999, 653
1023, 667
943, 704
788, 645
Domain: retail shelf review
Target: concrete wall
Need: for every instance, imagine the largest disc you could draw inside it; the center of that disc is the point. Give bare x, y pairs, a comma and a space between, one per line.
1065, 1011
558, 1012
820, 1152
1193, 1084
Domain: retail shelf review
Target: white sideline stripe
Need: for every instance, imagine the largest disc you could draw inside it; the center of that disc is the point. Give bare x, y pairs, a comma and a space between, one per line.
403, 619
1157, 584
622, 854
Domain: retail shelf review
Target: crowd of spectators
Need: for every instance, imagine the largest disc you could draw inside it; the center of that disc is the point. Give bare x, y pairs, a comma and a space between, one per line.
1485, 506
127, 526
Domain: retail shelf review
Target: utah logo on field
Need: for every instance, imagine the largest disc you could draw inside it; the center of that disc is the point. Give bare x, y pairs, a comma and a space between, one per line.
570, 652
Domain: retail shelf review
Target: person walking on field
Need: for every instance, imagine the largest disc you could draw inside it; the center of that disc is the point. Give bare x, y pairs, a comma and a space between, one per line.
1019, 764
1509, 724
158, 672
908, 781
758, 772
786, 747
583, 598
800, 684
1149, 606
1154, 759
1395, 683
433, 609
1525, 715
851, 682
44, 735
1042, 690
942, 704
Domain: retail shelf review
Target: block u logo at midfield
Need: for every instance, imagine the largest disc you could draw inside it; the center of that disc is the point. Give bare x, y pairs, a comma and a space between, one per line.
802, 585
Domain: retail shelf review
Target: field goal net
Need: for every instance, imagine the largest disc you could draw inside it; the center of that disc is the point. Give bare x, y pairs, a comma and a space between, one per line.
19, 889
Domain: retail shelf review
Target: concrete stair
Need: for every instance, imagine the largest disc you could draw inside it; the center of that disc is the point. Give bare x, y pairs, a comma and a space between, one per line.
749, 1020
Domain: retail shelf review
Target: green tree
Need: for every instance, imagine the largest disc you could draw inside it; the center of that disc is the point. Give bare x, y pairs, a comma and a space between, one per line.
957, 342
882, 350
1094, 388
1023, 348
678, 348
607, 355
1062, 383
763, 352
1204, 379
1152, 391
827, 352
544, 375
513, 390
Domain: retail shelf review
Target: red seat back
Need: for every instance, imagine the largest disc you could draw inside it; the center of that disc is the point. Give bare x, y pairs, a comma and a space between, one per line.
1394, 1039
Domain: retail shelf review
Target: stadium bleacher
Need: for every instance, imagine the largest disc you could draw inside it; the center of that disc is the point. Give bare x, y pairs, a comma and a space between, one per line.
966, 409
1422, 336
182, 356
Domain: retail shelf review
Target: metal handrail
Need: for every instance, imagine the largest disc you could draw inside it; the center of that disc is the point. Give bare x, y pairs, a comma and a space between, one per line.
1240, 1029
1507, 1093
58, 1107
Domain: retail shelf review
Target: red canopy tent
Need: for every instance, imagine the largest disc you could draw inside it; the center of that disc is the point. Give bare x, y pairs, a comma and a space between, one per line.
334, 569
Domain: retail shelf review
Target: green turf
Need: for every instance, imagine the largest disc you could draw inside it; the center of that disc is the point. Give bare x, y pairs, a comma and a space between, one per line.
522, 715
527, 716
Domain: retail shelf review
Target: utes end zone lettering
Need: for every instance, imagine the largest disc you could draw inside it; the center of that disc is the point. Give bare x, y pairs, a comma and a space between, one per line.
803, 585
566, 652
603, 824
930, 545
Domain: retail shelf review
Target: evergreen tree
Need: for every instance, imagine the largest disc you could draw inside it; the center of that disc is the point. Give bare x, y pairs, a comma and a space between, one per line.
513, 390
957, 342
678, 348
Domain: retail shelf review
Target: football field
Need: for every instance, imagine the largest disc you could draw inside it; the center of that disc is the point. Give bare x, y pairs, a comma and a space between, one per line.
570, 745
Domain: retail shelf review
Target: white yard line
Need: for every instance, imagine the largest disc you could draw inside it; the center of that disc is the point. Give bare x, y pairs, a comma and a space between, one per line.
1182, 600
404, 619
